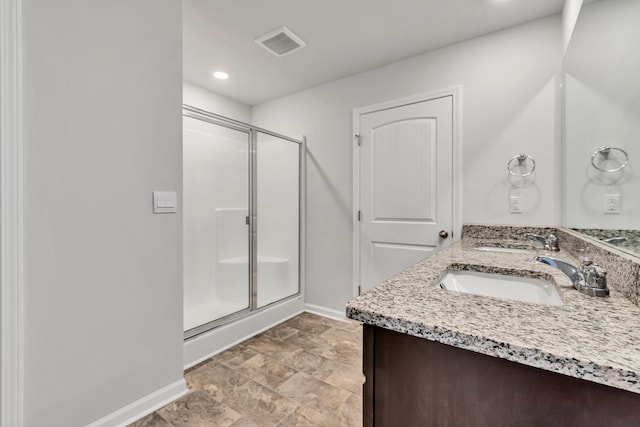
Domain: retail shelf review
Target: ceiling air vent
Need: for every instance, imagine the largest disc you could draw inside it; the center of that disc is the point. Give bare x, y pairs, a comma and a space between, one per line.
281, 41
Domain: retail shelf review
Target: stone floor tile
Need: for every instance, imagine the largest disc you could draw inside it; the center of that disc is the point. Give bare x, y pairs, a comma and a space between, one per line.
260, 404
310, 342
345, 352
309, 323
234, 356
266, 371
348, 324
277, 350
280, 332
312, 364
337, 335
198, 409
313, 393
216, 379
349, 414
246, 422
347, 378
305, 371
151, 420
303, 417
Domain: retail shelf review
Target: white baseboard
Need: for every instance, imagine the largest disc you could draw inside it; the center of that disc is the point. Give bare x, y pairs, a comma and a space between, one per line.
324, 311
209, 344
141, 407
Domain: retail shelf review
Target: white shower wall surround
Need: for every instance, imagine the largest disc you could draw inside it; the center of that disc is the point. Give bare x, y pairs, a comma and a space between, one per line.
231, 266
224, 186
233, 259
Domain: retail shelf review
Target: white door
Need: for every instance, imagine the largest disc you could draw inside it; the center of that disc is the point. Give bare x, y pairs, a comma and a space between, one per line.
406, 159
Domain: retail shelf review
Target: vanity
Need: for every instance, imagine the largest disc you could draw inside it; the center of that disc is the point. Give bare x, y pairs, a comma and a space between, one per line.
435, 357
438, 357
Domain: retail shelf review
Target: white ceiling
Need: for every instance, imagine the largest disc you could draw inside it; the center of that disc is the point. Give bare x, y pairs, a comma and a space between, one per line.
343, 37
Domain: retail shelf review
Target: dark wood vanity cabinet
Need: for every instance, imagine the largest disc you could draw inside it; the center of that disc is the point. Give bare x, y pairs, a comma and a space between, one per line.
416, 382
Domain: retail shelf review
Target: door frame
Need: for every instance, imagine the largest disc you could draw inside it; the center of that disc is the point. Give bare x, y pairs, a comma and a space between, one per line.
11, 215
456, 94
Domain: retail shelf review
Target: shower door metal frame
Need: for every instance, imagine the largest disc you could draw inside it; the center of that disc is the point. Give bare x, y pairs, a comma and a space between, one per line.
252, 131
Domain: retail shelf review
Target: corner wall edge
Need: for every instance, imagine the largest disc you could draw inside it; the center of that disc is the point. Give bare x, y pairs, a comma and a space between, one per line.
11, 221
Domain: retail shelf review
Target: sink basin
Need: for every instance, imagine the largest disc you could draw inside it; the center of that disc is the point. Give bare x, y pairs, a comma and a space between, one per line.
505, 250
525, 289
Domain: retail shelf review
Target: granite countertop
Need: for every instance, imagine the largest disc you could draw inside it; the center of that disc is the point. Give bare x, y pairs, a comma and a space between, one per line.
596, 339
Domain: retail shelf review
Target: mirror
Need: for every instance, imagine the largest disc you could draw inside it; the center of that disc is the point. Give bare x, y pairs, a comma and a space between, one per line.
601, 73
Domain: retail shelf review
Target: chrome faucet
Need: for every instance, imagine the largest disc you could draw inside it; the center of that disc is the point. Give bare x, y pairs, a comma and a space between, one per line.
590, 278
568, 269
615, 240
550, 243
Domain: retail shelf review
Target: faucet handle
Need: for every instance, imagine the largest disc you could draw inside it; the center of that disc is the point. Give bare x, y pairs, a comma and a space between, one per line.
585, 261
595, 275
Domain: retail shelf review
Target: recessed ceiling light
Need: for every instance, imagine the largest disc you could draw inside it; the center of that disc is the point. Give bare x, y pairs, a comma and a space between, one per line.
221, 75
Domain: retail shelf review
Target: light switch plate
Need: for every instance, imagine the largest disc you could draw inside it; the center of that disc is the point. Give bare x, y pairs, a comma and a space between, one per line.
165, 202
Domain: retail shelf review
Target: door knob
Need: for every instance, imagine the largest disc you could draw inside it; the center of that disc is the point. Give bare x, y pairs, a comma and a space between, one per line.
444, 234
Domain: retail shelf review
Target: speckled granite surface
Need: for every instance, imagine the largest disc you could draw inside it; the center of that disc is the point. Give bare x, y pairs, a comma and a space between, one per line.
510, 232
596, 339
628, 240
623, 269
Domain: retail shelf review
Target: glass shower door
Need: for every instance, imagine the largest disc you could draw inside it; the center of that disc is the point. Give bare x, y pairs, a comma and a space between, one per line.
216, 235
278, 214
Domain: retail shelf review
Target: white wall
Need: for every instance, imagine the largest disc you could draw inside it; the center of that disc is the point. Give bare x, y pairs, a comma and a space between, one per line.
570, 12
103, 275
207, 100
602, 94
509, 80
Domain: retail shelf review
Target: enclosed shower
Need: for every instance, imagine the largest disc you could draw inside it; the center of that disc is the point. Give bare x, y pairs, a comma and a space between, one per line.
241, 197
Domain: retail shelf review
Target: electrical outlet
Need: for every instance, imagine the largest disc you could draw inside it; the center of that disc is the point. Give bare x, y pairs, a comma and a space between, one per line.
515, 204
612, 203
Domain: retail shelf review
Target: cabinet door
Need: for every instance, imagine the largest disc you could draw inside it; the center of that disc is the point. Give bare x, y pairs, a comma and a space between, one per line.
416, 382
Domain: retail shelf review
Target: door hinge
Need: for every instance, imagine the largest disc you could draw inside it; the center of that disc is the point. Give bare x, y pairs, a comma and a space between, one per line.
359, 216
246, 220
357, 136
359, 290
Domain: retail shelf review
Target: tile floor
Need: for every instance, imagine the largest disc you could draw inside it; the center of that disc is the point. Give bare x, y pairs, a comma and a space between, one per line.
306, 371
